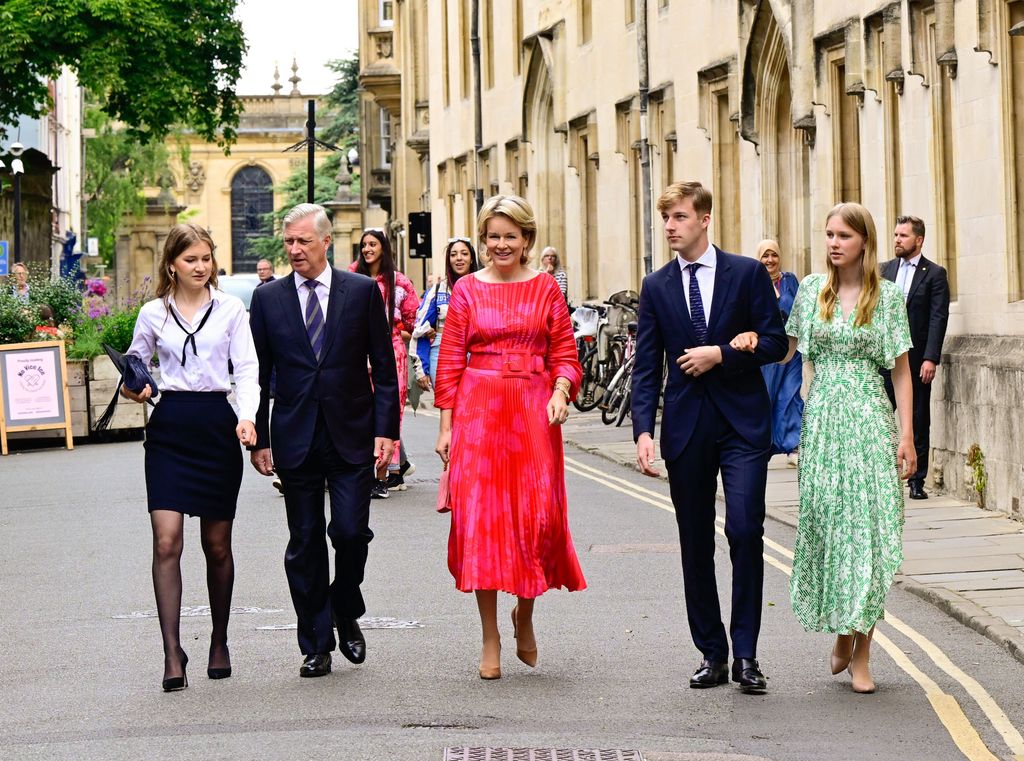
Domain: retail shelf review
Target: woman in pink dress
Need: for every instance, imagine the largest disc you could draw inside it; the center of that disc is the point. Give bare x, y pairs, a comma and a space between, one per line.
376, 260
501, 415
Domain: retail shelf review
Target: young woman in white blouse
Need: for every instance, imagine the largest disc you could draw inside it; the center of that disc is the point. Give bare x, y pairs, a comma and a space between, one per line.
193, 457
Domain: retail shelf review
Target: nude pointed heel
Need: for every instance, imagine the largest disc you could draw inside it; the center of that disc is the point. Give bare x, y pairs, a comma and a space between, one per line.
529, 657
490, 672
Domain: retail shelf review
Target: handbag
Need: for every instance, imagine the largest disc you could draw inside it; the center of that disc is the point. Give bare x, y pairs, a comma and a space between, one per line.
134, 377
444, 495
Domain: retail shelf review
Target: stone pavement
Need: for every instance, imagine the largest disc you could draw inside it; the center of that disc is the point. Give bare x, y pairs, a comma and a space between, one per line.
966, 560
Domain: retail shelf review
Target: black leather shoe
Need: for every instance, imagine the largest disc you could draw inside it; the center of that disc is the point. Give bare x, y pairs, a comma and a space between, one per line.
747, 674
917, 491
350, 639
709, 674
316, 665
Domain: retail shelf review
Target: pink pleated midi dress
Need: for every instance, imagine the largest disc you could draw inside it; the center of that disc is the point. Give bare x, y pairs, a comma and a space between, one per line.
503, 346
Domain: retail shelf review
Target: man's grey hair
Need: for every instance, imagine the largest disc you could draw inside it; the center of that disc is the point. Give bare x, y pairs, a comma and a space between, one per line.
321, 223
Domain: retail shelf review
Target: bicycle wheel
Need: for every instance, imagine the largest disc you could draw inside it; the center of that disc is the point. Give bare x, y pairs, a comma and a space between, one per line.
588, 396
624, 407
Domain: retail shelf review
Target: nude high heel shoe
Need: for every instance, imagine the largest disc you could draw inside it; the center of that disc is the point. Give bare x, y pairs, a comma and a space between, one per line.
529, 657
840, 663
488, 670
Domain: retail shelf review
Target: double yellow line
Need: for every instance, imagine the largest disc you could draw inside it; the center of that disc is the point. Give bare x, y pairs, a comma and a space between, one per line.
946, 707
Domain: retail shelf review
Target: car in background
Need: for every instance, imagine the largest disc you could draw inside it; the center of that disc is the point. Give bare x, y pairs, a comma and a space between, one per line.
241, 286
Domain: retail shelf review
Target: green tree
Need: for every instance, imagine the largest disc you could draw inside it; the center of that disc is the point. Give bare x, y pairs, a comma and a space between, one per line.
343, 100
118, 166
156, 65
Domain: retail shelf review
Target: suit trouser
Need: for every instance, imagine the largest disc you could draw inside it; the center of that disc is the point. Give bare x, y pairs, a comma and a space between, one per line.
715, 446
922, 418
306, 560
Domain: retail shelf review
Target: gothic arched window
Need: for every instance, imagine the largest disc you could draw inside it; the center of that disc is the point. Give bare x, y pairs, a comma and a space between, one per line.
252, 201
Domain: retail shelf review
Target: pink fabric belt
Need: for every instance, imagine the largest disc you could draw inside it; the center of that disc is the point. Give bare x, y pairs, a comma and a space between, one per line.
512, 364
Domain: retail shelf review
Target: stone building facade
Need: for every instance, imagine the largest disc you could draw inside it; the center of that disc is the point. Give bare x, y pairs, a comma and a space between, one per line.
783, 107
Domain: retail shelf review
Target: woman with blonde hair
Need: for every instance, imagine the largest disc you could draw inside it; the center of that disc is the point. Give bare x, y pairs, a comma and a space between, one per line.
783, 381
193, 457
500, 434
850, 323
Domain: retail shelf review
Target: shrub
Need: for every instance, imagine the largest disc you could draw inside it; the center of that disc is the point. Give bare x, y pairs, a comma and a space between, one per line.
17, 320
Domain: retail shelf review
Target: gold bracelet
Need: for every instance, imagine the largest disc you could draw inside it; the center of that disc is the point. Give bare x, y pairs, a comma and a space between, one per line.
565, 393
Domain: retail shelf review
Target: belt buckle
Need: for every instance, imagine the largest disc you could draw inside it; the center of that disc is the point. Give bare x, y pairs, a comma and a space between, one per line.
513, 364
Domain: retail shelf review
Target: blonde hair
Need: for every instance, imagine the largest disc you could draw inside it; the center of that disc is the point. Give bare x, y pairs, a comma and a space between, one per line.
858, 219
679, 191
180, 238
518, 211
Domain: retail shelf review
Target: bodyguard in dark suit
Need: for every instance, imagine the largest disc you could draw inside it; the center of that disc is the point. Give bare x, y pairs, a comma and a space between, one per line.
716, 419
926, 290
333, 423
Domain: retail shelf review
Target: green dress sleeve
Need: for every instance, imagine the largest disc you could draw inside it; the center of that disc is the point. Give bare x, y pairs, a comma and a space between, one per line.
802, 316
891, 318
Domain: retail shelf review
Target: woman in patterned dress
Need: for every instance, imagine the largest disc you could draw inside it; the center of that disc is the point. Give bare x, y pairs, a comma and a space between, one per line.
376, 260
783, 381
850, 323
500, 434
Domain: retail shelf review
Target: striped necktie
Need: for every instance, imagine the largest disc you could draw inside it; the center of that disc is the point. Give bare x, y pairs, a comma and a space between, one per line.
700, 326
314, 319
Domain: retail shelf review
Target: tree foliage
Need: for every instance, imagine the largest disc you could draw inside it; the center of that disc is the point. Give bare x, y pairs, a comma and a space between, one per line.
118, 166
343, 100
155, 65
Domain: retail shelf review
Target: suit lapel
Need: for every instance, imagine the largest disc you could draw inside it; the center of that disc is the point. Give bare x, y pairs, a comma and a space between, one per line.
293, 317
889, 271
919, 274
723, 286
677, 298
335, 309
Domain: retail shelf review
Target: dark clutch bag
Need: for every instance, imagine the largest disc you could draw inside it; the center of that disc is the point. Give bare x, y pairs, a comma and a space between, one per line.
444, 496
134, 377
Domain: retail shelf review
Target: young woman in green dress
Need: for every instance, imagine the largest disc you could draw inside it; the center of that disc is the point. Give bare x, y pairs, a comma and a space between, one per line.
849, 322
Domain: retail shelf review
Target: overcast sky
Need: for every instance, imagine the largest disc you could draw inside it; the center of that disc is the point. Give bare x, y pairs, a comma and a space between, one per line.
311, 31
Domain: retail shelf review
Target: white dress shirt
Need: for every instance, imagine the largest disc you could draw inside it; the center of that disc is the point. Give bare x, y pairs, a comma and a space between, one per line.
323, 291
705, 279
905, 274
225, 336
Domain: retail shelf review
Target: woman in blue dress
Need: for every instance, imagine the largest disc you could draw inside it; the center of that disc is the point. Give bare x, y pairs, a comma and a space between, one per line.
783, 381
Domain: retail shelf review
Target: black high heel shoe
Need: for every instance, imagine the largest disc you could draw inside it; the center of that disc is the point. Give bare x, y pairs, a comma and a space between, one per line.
218, 673
175, 683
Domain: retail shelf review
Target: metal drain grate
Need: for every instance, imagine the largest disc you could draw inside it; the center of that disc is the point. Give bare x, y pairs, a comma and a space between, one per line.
539, 754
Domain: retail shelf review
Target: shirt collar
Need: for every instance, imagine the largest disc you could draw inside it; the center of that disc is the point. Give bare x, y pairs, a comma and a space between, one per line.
215, 295
709, 258
913, 262
324, 278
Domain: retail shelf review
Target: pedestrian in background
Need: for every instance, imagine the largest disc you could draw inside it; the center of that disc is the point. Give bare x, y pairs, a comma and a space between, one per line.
265, 272
334, 422
849, 542
551, 264
926, 291
401, 302
193, 458
459, 259
20, 287
500, 432
783, 381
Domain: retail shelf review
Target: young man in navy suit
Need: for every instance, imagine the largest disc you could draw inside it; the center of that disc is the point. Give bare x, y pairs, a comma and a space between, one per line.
333, 423
716, 418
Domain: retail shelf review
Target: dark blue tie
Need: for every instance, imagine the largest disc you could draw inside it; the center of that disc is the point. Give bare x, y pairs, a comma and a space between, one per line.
314, 319
700, 326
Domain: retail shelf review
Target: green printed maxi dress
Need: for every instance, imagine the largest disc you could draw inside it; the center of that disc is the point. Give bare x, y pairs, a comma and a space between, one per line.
849, 540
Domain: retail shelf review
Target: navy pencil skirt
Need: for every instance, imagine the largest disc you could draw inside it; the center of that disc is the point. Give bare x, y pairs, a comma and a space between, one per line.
193, 457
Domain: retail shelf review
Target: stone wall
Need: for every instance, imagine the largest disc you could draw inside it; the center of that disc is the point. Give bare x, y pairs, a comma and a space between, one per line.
978, 398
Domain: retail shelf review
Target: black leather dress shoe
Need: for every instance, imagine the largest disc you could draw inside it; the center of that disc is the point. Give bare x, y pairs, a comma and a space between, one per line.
316, 665
747, 674
709, 674
350, 639
917, 491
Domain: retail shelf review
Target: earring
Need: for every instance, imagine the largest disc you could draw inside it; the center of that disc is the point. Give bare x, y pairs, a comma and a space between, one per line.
173, 273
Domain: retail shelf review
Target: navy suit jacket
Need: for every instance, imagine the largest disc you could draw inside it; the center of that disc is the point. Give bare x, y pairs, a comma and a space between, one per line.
743, 300
339, 386
927, 309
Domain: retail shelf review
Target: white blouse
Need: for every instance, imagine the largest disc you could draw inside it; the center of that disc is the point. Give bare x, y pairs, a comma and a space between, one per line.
226, 335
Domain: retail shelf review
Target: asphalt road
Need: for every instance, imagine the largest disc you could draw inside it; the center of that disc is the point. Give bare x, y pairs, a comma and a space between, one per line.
81, 673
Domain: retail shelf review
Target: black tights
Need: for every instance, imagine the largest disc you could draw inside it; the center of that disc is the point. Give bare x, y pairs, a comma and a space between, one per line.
168, 529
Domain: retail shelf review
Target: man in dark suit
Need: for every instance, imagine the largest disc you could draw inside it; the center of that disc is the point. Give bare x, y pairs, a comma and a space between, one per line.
333, 423
716, 419
926, 290
265, 272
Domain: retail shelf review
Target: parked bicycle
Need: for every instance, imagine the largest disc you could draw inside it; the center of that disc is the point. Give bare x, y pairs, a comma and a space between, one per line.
601, 349
616, 401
